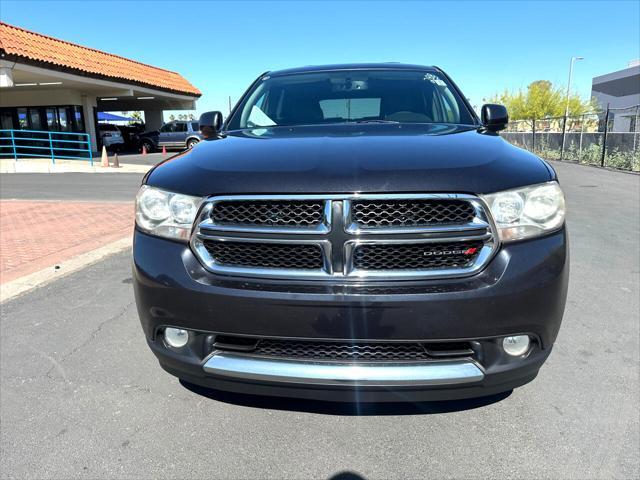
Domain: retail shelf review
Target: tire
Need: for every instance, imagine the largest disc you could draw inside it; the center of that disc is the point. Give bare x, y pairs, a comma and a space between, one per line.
192, 143
148, 145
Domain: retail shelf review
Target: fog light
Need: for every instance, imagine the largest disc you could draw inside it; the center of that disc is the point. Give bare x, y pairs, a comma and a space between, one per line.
516, 345
176, 337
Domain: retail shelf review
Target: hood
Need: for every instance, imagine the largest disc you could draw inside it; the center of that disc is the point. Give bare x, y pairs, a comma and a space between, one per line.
350, 158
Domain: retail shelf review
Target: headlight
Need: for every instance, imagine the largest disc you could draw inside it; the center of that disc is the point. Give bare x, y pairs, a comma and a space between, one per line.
527, 212
166, 214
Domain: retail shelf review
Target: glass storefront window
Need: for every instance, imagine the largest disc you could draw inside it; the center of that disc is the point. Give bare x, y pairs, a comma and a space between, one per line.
65, 118
23, 122
65, 125
34, 117
78, 119
6, 120
52, 119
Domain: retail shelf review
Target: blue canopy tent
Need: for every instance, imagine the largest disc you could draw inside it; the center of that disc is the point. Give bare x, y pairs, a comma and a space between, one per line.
110, 117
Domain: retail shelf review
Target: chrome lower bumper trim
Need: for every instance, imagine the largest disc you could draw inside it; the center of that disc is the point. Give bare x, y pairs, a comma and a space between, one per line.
330, 373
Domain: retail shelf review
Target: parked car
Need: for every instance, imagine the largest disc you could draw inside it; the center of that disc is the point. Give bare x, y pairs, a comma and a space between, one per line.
131, 135
354, 233
110, 136
175, 134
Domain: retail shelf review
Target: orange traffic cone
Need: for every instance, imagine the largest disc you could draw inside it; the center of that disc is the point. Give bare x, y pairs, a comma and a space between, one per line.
144, 149
105, 159
164, 150
116, 162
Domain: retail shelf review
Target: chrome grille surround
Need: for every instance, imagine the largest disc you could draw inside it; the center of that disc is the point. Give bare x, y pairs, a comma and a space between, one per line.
338, 236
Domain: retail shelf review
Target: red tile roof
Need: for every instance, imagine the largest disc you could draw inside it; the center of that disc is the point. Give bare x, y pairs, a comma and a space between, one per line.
20, 43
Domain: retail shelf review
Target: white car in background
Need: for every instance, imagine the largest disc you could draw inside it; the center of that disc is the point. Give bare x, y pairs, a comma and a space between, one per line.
111, 136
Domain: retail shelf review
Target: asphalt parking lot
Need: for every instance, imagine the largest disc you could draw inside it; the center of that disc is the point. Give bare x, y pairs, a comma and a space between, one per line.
82, 396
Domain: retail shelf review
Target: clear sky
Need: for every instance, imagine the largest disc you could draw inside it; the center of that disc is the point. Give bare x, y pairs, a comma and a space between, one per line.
222, 46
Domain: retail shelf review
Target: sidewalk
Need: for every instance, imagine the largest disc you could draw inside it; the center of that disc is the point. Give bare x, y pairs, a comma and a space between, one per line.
40, 236
44, 165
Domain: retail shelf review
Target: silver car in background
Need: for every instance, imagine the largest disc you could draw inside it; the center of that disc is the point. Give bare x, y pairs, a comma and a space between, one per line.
111, 136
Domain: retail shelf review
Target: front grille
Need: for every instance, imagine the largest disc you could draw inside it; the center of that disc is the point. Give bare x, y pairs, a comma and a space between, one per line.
265, 255
411, 213
345, 237
415, 256
365, 352
269, 213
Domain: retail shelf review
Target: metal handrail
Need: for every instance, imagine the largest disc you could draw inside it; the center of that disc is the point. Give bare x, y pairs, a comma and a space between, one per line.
50, 149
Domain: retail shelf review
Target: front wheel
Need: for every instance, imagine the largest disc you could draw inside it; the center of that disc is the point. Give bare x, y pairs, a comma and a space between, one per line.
192, 142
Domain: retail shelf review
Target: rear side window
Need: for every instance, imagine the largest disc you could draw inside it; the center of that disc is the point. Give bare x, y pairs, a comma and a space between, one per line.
181, 127
195, 126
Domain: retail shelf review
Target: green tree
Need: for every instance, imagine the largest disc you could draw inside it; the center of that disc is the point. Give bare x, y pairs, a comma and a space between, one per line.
137, 117
542, 100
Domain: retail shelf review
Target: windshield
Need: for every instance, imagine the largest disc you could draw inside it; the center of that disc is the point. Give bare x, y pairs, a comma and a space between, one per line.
396, 96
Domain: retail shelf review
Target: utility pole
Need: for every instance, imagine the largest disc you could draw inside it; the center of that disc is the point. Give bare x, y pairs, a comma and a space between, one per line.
566, 108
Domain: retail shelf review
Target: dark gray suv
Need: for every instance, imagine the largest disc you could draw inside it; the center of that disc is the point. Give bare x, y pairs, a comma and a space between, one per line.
352, 232
175, 134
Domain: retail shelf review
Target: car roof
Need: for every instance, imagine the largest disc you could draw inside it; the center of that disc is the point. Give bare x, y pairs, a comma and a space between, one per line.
353, 66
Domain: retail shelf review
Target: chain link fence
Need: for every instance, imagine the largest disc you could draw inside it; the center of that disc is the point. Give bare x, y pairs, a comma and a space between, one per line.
607, 139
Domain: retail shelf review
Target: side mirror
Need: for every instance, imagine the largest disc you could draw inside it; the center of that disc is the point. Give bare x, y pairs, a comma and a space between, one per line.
494, 117
210, 124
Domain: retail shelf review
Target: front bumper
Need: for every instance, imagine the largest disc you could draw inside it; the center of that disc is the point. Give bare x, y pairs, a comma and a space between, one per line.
521, 291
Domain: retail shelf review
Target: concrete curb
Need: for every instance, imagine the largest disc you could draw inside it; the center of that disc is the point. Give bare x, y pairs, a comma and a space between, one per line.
24, 284
25, 166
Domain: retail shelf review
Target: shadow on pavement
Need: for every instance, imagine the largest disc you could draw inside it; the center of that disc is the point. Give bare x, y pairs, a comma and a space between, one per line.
346, 475
345, 408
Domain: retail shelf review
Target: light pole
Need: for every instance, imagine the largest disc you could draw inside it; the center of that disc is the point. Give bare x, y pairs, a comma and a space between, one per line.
566, 108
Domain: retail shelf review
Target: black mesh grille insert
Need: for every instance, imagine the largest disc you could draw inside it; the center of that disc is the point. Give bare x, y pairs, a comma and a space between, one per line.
341, 351
265, 255
269, 213
411, 213
416, 256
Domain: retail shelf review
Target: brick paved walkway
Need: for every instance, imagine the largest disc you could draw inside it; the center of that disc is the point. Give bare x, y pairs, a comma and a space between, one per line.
37, 235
